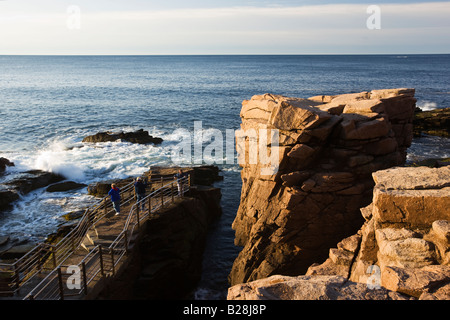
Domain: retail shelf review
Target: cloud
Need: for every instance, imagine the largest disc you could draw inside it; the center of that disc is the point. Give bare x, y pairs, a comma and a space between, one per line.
332, 28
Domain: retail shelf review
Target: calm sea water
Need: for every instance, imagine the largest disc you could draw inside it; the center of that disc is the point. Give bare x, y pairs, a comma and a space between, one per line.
49, 103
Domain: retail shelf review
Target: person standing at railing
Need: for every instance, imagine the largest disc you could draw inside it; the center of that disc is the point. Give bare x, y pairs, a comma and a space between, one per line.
115, 198
139, 191
180, 177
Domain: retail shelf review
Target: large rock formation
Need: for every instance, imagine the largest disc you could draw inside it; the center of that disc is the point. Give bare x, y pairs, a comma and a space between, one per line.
402, 250
404, 243
328, 148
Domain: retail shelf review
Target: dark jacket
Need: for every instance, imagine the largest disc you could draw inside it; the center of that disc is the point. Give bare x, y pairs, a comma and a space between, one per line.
139, 187
180, 176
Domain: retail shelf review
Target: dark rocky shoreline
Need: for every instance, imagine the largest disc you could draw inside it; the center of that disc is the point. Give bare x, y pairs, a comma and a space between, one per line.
433, 122
140, 136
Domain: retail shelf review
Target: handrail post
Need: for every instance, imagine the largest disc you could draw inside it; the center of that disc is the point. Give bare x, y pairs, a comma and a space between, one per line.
83, 269
137, 214
60, 284
105, 207
17, 276
161, 190
54, 257
171, 192
112, 262
149, 205
100, 252
126, 242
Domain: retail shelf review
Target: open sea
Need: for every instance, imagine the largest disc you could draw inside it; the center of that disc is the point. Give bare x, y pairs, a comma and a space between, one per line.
48, 104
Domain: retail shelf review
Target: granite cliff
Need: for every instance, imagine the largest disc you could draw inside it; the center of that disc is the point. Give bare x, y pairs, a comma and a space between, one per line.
401, 252
329, 146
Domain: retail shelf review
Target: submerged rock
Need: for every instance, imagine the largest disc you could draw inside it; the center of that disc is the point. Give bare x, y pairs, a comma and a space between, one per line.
140, 136
34, 179
25, 183
7, 197
5, 163
65, 186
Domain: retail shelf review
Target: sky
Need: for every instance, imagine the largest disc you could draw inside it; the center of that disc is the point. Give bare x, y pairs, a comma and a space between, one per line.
223, 27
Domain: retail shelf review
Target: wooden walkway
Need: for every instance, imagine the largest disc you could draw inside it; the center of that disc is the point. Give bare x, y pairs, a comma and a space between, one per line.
79, 265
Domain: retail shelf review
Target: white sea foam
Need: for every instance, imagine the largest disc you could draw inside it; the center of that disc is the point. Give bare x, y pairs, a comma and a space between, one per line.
59, 160
39, 213
426, 105
85, 163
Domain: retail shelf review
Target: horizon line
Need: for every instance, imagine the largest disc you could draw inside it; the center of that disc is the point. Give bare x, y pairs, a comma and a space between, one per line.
223, 54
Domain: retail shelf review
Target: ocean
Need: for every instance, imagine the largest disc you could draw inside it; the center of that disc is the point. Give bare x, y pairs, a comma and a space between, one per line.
48, 104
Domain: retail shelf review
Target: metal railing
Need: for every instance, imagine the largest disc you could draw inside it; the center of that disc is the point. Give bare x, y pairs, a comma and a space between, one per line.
73, 281
42, 274
154, 202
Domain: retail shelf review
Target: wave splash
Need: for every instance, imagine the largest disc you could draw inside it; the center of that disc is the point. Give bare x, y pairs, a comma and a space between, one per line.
58, 159
427, 105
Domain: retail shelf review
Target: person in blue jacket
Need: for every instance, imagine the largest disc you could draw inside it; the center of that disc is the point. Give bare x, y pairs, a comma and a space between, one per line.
115, 198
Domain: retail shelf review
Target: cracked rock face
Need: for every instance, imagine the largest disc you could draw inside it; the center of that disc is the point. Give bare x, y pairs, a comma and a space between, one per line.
329, 146
413, 197
403, 258
405, 237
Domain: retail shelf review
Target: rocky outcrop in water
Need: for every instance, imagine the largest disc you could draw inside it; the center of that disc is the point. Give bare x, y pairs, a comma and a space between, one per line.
65, 186
34, 179
24, 183
329, 147
7, 197
140, 136
5, 163
433, 122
